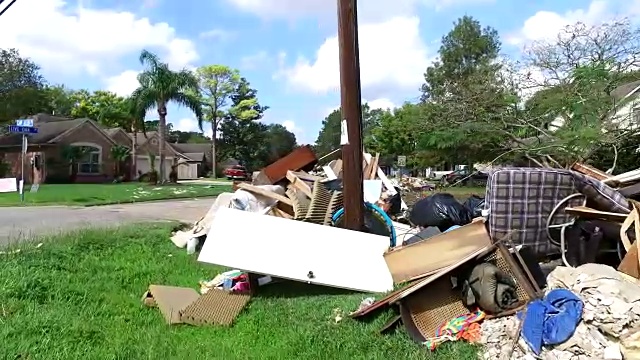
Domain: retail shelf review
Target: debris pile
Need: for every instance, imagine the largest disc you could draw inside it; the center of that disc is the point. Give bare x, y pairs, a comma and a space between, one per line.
483, 270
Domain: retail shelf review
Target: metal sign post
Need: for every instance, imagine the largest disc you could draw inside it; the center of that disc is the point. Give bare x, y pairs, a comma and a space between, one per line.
24, 127
402, 162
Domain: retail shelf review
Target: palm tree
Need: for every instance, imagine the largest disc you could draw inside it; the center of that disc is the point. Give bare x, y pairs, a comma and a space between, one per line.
119, 154
159, 85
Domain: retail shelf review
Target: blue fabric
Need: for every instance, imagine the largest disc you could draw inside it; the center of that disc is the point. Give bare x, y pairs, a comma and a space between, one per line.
452, 228
552, 320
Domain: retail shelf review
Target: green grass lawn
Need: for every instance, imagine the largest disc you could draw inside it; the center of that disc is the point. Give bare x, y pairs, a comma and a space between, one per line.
79, 297
102, 194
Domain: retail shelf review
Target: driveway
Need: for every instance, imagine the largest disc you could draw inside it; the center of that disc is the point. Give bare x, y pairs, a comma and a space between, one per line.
20, 223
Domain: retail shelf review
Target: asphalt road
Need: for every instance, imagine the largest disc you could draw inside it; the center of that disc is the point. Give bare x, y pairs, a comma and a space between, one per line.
21, 223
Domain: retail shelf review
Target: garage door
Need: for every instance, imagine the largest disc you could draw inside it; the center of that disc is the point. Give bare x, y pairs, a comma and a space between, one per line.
144, 165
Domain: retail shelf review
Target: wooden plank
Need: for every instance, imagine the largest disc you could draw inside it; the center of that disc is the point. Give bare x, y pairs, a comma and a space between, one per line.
590, 171
589, 213
275, 247
300, 158
260, 191
374, 166
299, 184
416, 260
281, 213
305, 176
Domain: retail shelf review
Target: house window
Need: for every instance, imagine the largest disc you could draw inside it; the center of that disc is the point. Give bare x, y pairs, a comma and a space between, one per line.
636, 116
90, 159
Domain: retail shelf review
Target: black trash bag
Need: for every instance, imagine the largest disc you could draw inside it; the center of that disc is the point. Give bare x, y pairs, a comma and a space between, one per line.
396, 203
474, 205
441, 210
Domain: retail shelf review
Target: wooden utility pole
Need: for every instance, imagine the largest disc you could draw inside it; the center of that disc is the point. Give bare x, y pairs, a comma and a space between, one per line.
351, 107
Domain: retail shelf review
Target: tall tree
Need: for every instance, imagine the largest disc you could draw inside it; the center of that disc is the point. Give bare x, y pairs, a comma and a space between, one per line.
60, 100
21, 87
329, 136
465, 96
217, 84
160, 85
244, 137
94, 105
280, 141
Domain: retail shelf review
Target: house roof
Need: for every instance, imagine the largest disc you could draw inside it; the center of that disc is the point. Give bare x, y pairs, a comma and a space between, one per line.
625, 90
112, 131
195, 156
193, 148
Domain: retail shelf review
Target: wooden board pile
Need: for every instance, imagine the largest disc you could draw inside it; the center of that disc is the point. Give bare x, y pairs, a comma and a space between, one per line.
304, 177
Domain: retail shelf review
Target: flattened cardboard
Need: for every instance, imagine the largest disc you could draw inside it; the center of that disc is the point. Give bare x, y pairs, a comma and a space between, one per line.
417, 260
180, 305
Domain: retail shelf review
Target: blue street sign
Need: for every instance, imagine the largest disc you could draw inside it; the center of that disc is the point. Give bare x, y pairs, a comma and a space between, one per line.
25, 122
23, 129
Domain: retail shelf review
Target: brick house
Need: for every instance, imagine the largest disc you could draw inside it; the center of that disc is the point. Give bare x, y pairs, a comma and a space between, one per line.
44, 152
44, 161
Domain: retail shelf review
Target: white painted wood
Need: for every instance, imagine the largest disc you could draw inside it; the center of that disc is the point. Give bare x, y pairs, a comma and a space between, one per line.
291, 249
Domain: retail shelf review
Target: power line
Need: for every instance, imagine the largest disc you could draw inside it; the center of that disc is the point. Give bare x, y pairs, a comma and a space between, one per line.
8, 6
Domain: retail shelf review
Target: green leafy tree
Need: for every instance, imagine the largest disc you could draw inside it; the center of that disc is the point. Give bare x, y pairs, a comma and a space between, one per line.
467, 103
60, 100
243, 136
119, 154
160, 85
73, 154
21, 87
217, 85
574, 113
329, 136
93, 105
280, 141
397, 133
190, 137
128, 115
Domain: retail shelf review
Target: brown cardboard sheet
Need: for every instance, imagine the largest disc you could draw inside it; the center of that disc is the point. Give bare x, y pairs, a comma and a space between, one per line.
425, 257
180, 305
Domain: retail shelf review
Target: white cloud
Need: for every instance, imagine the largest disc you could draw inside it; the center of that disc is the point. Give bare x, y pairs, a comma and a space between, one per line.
124, 83
218, 34
382, 103
73, 39
370, 10
289, 125
190, 124
392, 56
254, 61
546, 25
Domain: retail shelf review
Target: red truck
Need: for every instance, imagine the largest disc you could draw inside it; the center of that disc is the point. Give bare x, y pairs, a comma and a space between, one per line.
236, 172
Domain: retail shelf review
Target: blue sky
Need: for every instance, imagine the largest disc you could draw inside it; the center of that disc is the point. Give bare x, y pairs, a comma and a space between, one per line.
285, 48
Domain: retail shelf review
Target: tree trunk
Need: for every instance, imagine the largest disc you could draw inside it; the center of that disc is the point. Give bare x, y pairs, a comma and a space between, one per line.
162, 125
134, 156
214, 130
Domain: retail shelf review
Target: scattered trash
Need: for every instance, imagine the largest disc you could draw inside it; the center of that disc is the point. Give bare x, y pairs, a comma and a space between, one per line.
529, 271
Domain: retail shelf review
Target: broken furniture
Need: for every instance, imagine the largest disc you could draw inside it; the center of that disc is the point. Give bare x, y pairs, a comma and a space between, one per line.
510, 199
